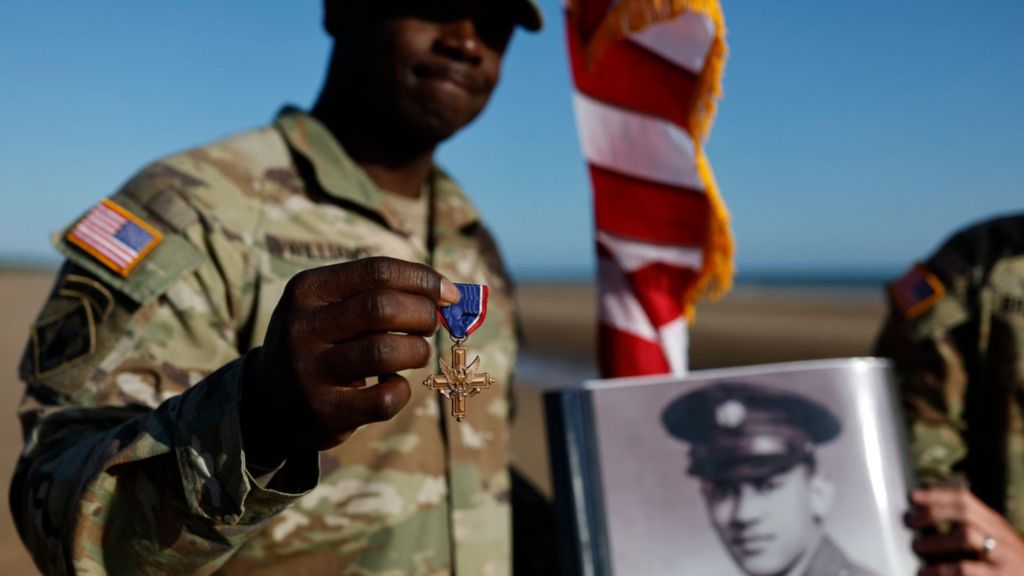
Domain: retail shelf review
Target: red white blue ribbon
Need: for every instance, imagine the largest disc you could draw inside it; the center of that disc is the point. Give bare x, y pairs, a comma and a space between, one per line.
465, 316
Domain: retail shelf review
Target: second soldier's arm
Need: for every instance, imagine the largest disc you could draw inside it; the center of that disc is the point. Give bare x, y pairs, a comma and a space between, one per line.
928, 329
932, 386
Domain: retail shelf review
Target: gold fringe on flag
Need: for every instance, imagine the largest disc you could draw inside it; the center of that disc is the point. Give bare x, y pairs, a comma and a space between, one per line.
630, 16
716, 273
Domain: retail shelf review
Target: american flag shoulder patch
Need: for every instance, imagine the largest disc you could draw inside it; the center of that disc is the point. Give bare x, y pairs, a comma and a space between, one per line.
916, 291
114, 236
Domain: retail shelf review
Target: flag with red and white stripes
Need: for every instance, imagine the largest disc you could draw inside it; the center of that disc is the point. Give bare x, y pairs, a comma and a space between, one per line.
114, 236
647, 76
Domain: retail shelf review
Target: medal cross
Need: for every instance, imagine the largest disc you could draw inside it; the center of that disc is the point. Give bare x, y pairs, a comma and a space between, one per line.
459, 381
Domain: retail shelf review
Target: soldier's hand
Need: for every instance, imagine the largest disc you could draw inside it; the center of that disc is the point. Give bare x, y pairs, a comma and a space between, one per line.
962, 536
333, 328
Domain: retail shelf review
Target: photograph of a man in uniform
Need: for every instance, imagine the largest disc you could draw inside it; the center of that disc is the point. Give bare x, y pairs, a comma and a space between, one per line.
753, 450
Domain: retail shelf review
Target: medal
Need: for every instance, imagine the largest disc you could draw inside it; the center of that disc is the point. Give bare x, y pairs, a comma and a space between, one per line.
458, 382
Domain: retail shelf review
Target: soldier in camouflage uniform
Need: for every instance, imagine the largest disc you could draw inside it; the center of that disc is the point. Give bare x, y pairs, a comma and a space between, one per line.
207, 409
956, 335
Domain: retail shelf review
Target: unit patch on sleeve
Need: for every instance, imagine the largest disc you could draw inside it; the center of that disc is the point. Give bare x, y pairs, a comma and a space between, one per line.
114, 236
916, 291
61, 339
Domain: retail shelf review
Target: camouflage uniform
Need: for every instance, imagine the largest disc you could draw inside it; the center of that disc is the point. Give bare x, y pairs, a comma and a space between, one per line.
957, 341
133, 460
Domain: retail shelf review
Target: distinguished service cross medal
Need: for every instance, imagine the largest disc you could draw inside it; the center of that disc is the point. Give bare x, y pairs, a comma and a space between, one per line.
460, 382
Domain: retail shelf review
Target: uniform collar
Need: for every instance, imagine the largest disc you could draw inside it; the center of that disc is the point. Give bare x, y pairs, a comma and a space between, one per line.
336, 173
341, 178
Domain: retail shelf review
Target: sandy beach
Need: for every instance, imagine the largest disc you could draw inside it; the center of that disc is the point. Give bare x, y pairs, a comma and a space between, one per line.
752, 325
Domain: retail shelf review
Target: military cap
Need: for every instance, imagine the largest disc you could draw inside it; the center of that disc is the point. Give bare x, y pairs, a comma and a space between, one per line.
741, 431
530, 16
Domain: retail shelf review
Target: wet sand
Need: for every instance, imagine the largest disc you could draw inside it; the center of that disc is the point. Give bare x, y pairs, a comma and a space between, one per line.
751, 326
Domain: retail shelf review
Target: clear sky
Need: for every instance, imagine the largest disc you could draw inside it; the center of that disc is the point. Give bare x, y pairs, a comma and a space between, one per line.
853, 135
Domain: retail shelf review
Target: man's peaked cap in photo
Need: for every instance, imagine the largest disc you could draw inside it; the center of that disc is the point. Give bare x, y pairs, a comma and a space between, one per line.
740, 431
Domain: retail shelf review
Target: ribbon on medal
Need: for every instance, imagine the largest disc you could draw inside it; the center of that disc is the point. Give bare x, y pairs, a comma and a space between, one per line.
458, 380
465, 316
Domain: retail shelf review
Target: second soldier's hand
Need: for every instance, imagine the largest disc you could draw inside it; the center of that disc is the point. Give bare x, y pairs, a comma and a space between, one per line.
969, 522
333, 328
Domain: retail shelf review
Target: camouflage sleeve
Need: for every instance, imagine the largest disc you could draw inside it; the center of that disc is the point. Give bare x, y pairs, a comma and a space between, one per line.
133, 461
932, 379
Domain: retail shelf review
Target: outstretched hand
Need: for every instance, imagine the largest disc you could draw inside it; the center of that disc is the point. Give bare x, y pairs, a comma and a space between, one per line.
333, 328
961, 536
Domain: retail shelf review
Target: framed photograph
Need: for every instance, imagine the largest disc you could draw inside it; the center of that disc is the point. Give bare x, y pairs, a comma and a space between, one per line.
789, 469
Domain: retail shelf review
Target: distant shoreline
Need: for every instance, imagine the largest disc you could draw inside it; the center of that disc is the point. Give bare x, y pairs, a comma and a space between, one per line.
839, 283
780, 276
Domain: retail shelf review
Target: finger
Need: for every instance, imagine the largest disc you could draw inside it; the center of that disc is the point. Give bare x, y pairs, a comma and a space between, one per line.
337, 281
346, 409
942, 505
963, 568
958, 541
370, 312
373, 355
939, 505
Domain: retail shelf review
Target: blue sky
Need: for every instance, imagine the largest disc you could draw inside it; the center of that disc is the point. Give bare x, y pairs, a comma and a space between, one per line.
853, 135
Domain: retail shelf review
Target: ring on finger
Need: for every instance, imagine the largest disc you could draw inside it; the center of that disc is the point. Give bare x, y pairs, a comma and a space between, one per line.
988, 545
